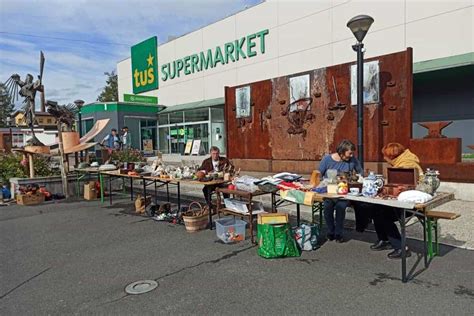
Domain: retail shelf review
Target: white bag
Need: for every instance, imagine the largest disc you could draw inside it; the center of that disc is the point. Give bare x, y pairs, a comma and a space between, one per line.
307, 236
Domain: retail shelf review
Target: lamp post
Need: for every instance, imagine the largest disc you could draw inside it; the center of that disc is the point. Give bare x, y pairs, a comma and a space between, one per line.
79, 104
359, 25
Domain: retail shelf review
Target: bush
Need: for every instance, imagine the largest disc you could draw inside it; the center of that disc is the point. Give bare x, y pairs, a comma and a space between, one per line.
128, 155
12, 165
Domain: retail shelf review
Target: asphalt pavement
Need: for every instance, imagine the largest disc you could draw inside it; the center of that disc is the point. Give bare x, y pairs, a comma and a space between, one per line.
77, 258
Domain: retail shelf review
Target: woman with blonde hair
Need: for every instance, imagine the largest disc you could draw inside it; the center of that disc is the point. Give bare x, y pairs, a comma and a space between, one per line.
400, 157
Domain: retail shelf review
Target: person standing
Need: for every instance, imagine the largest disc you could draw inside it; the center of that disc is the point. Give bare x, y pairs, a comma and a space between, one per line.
112, 142
343, 161
126, 139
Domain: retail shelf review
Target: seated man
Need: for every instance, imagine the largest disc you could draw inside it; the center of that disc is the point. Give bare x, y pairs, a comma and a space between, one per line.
215, 163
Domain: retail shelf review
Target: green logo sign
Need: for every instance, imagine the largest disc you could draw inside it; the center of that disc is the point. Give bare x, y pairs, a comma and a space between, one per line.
140, 98
145, 66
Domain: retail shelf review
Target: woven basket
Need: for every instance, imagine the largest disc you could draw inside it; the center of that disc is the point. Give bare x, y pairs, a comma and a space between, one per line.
196, 218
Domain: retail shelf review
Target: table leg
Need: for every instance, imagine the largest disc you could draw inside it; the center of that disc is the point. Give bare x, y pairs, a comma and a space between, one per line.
425, 254
404, 253
297, 214
144, 190
179, 197
273, 203
210, 216
131, 189
429, 229
110, 189
155, 193
168, 191
101, 181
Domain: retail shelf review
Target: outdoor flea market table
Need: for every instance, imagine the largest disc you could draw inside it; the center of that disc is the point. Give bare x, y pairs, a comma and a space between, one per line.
146, 181
157, 182
420, 210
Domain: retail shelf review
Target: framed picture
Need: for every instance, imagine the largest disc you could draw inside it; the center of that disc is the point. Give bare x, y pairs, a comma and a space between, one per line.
242, 102
299, 89
371, 83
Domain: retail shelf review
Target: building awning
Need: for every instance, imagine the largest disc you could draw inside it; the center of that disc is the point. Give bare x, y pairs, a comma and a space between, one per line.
444, 63
193, 105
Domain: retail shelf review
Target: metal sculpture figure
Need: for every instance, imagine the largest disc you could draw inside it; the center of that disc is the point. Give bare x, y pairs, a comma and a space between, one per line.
64, 114
27, 89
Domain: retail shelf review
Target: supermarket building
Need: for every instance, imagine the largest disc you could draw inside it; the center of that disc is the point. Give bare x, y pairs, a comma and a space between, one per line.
276, 38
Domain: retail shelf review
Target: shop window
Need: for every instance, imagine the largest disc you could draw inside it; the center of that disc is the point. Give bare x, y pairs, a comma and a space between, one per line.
217, 114
163, 119
163, 140
176, 117
148, 135
196, 115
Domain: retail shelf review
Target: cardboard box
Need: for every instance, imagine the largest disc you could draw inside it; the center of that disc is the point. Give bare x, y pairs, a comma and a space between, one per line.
273, 218
27, 199
241, 206
90, 191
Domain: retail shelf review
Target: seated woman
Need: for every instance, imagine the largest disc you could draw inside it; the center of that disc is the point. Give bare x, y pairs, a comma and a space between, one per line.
384, 217
343, 161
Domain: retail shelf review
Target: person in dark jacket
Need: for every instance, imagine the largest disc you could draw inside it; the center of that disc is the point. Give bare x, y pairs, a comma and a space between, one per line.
215, 163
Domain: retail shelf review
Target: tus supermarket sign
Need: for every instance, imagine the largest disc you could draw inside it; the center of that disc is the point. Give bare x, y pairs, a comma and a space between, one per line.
145, 66
231, 52
145, 60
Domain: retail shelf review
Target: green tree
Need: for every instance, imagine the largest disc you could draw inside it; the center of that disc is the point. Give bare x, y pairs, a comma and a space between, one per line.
110, 91
6, 106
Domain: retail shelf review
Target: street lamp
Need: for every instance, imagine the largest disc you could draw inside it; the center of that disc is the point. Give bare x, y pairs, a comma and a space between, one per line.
9, 124
79, 104
359, 25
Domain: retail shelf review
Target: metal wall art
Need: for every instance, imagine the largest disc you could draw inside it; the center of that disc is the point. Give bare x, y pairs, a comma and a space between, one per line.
242, 101
371, 83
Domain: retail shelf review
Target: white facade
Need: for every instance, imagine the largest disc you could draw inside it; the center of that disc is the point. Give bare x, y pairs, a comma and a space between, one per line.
305, 35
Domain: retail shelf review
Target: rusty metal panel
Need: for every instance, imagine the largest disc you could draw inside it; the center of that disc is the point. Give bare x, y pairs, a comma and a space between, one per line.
329, 118
249, 137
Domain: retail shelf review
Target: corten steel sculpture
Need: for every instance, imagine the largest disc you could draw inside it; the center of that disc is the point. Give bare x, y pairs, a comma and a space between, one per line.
298, 113
64, 114
27, 89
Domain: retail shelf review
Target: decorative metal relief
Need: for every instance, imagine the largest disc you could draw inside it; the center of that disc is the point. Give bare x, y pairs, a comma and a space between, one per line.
298, 112
371, 83
242, 101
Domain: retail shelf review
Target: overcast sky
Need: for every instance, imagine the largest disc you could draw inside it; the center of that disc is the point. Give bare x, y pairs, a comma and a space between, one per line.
82, 39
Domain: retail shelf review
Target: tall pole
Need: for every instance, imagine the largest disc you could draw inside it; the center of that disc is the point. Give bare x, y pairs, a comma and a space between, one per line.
360, 102
80, 129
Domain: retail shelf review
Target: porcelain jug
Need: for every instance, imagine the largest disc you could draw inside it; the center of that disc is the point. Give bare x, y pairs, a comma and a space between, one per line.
431, 180
372, 185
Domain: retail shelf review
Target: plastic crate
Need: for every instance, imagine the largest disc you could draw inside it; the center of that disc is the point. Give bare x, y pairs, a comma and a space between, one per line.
230, 230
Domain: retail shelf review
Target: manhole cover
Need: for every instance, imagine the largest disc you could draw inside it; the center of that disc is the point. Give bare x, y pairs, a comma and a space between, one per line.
141, 287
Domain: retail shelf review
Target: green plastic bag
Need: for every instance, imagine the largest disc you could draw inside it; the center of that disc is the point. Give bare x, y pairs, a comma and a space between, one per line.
276, 241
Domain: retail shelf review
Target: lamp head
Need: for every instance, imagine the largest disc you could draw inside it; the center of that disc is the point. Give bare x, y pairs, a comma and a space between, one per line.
359, 26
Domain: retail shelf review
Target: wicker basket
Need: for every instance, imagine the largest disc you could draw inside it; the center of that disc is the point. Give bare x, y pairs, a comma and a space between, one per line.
196, 218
